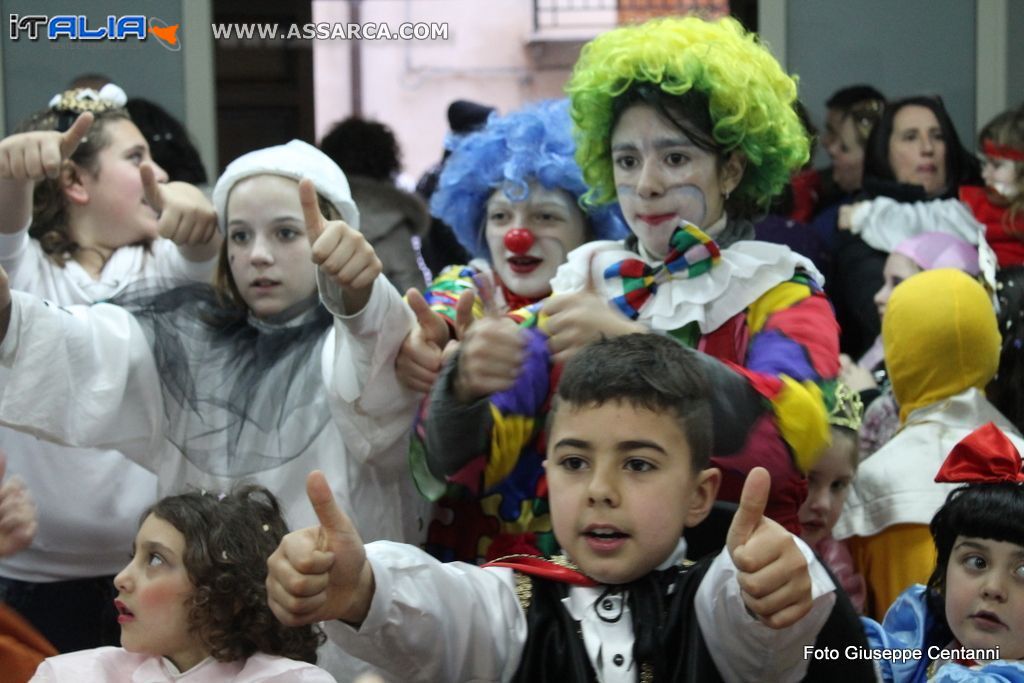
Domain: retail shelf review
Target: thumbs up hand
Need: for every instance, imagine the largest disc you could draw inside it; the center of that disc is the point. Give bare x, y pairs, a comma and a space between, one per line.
343, 254
185, 215
37, 155
577, 319
772, 572
419, 359
320, 573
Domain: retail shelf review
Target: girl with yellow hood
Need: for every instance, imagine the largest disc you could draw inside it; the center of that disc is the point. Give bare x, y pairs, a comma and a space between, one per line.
941, 344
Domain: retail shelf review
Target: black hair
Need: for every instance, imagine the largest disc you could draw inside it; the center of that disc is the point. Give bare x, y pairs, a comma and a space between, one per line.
363, 148
228, 539
169, 142
845, 98
992, 511
962, 167
648, 371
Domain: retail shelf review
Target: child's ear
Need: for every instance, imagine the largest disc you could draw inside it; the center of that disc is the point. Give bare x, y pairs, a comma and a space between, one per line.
71, 184
731, 172
705, 492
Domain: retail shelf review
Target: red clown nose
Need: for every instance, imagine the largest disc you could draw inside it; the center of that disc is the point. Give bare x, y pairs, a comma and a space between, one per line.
518, 240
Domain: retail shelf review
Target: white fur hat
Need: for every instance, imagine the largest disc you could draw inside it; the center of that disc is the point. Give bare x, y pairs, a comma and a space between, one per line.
296, 160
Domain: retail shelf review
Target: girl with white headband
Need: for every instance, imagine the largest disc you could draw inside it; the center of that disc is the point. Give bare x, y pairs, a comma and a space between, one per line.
86, 212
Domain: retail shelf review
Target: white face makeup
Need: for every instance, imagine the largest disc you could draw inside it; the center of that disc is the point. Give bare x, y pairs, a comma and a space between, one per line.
268, 249
663, 178
548, 225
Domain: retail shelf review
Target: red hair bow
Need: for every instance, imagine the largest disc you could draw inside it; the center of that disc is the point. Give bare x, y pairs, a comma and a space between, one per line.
986, 456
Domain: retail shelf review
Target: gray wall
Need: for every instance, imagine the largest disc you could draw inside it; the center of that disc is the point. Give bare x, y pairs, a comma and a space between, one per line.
1015, 55
904, 47
34, 71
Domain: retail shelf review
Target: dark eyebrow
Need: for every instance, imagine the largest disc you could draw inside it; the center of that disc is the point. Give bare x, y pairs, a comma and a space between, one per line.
660, 143
638, 444
622, 446
573, 443
150, 546
681, 141
969, 544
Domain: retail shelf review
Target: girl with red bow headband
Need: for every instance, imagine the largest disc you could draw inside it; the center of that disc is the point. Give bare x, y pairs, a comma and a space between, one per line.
968, 622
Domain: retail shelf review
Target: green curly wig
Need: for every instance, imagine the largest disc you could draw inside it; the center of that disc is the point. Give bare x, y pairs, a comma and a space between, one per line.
751, 99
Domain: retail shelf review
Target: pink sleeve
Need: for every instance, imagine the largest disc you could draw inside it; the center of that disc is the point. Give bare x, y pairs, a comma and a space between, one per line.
837, 557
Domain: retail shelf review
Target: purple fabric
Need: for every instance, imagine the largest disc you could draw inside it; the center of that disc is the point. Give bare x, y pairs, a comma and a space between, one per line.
528, 395
773, 353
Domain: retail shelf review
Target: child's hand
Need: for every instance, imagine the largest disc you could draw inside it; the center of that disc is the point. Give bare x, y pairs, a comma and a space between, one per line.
186, 216
577, 319
419, 359
854, 376
490, 358
17, 514
343, 254
320, 573
845, 219
773, 573
40, 154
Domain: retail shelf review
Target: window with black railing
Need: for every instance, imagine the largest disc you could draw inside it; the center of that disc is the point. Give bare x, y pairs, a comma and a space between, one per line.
602, 14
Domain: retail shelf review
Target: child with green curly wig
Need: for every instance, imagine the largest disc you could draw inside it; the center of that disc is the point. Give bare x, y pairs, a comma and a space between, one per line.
690, 126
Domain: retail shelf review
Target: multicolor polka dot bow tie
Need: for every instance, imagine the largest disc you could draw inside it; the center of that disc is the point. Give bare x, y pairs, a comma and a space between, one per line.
691, 254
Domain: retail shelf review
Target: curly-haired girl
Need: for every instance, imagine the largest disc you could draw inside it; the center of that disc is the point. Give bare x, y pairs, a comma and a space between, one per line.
690, 125
193, 600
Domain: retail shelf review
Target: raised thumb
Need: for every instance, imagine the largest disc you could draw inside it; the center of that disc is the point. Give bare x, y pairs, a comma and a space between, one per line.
151, 187
753, 500
419, 306
74, 135
311, 209
326, 508
464, 312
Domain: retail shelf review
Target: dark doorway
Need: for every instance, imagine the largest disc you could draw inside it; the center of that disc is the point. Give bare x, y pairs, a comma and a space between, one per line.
264, 84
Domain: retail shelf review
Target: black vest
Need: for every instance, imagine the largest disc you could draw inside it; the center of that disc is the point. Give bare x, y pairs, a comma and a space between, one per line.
554, 651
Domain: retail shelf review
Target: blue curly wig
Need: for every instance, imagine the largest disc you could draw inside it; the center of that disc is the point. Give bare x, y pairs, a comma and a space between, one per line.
534, 143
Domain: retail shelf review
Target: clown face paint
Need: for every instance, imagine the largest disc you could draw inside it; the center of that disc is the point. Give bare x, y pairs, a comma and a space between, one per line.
556, 225
663, 178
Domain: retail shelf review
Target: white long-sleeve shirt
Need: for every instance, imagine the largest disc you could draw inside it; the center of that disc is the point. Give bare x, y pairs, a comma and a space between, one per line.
87, 377
88, 500
430, 621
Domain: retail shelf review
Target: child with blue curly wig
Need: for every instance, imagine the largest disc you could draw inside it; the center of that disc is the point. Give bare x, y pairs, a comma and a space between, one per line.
511, 193
688, 125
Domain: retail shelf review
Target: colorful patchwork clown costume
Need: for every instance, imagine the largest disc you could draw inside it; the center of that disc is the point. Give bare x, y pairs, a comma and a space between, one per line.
757, 308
